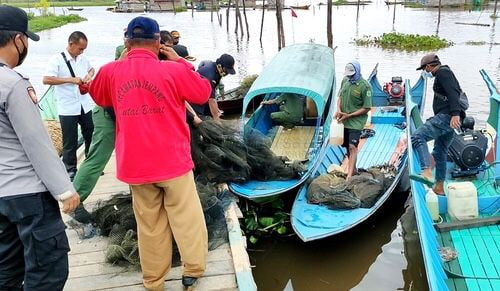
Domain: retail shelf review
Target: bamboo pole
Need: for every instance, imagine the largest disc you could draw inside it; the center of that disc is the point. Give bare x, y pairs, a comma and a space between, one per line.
329, 33
262, 21
246, 20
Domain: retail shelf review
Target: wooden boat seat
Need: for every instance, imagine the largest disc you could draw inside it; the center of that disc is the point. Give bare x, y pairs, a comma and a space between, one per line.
293, 143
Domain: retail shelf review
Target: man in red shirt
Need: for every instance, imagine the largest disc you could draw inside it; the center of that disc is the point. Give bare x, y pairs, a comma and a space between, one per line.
153, 149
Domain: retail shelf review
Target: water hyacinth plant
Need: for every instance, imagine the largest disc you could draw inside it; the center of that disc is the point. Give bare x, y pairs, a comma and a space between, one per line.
407, 42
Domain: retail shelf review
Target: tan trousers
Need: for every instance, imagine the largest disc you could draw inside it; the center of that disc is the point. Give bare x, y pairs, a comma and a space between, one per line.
164, 209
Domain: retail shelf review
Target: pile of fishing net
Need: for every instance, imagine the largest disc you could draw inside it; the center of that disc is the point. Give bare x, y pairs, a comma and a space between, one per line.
221, 155
55, 133
363, 190
115, 219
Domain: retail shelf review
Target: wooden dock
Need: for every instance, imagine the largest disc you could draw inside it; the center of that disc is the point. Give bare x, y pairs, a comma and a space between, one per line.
228, 266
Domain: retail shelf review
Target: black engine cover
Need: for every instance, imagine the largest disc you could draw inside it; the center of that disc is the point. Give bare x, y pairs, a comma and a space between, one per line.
468, 149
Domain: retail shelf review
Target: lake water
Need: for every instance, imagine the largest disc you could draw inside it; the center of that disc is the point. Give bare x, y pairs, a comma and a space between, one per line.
375, 256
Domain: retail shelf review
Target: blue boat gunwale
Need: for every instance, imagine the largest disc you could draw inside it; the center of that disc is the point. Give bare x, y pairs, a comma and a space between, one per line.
436, 272
325, 103
420, 86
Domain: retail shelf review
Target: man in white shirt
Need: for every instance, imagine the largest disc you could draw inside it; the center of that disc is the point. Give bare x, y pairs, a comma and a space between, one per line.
66, 71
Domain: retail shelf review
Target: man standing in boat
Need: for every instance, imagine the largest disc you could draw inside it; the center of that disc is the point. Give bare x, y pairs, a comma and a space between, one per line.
214, 72
153, 150
353, 105
33, 244
447, 116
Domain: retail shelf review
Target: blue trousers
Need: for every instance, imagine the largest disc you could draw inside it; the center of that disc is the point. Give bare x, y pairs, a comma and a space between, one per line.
33, 243
436, 128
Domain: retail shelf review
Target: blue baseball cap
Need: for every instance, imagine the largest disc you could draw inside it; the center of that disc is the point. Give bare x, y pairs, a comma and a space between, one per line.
143, 27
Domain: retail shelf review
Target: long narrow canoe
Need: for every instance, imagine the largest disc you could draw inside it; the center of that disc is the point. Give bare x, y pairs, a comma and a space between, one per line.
307, 70
477, 266
388, 146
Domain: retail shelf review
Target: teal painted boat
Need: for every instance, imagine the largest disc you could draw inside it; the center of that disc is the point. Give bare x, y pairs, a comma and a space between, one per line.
48, 106
476, 246
306, 70
388, 146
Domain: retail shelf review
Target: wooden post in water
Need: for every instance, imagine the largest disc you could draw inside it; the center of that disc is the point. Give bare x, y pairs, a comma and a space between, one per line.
495, 9
236, 13
239, 19
211, 10
278, 15
329, 33
262, 21
357, 11
173, 6
246, 20
227, 15
192, 9
439, 14
394, 15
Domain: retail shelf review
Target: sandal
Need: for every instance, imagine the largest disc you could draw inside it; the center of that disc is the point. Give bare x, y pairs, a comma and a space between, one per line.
366, 133
419, 178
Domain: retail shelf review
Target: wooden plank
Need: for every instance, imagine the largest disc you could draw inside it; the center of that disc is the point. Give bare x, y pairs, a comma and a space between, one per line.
472, 285
493, 250
293, 143
486, 258
241, 261
462, 258
84, 271
470, 223
215, 283
135, 278
97, 257
474, 259
484, 285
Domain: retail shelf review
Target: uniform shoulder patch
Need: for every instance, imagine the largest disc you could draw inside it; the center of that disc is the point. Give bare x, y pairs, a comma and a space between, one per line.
32, 94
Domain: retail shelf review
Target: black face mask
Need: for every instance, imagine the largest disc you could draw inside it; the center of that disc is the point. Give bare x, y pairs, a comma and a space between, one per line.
21, 55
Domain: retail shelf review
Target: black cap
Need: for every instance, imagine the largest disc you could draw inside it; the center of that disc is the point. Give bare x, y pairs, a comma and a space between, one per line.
15, 19
182, 51
227, 61
428, 59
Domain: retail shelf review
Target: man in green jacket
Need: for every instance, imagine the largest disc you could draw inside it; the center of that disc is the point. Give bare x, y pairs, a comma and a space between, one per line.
354, 102
291, 110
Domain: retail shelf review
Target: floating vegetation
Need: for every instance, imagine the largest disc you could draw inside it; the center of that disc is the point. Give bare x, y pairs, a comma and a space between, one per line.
39, 23
472, 42
413, 5
247, 82
265, 218
494, 16
407, 42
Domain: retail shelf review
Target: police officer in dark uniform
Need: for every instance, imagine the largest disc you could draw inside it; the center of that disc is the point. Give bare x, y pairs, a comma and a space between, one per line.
33, 243
214, 72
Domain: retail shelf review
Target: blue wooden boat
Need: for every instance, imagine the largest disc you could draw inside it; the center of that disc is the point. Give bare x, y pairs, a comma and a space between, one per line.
313, 221
477, 266
303, 69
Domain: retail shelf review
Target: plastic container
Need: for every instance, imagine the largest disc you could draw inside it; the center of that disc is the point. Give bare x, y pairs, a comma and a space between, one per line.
337, 133
432, 202
462, 200
369, 119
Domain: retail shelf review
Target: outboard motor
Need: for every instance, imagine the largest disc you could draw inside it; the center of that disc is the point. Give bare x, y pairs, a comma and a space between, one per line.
396, 91
468, 150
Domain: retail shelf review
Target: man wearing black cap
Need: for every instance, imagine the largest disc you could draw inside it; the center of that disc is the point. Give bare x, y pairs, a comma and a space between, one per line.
448, 111
214, 71
33, 243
